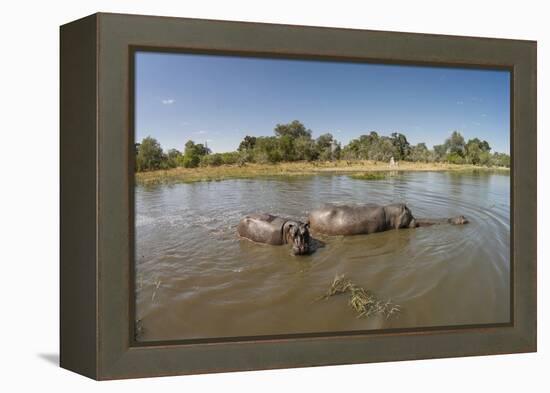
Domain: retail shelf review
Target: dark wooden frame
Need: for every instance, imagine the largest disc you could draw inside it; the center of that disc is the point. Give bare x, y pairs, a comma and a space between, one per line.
97, 196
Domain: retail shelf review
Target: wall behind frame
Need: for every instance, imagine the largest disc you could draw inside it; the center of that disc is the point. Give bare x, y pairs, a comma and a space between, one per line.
29, 291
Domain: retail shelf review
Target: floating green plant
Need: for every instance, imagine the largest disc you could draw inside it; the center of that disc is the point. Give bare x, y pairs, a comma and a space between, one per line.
368, 176
364, 302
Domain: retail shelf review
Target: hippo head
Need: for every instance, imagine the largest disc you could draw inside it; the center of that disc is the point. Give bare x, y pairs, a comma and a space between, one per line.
297, 234
400, 216
458, 220
406, 219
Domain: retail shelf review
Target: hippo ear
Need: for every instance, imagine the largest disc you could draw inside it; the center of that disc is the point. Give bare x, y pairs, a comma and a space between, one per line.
401, 219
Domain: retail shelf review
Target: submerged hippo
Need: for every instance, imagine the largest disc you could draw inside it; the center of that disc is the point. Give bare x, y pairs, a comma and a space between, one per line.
371, 218
269, 229
458, 220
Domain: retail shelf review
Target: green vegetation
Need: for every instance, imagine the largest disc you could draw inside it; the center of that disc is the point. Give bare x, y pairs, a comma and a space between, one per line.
149, 155
369, 176
293, 142
453, 151
193, 154
362, 301
293, 169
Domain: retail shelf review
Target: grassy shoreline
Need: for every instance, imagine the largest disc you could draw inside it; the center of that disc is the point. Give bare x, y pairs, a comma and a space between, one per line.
301, 168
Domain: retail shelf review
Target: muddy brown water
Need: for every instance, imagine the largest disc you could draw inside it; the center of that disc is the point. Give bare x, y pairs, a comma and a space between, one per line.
196, 279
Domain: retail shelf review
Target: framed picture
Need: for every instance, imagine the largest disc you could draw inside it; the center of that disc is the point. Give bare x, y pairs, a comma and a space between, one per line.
241, 196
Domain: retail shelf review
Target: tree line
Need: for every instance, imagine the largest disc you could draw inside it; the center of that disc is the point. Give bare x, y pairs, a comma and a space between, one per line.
294, 142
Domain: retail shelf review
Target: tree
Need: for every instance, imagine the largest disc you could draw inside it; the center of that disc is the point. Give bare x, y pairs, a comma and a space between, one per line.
455, 144
174, 158
385, 150
455, 158
246, 149
325, 146
149, 155
485, 159
285, 145
202, 150
336, 150
484, 145
477, 151
267, 150
402, 146
370, 147
305, 149
247, 143
325, 141
420, 152
211, 160
440, 152
370, 139
473, 151
294, 142
193, 153
352, 150
501, 159
294, 130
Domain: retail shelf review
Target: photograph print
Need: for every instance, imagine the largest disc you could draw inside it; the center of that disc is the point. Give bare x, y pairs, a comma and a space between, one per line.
279, 196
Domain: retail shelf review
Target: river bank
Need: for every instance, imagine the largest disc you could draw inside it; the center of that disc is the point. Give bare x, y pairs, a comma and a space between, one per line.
252, 170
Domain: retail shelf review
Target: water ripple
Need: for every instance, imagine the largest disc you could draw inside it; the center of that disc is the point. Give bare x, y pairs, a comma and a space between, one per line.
441, 275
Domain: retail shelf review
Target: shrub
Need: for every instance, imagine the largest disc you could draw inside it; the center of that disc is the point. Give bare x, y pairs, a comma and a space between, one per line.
230, 158
211, 160
455, 158
149, 155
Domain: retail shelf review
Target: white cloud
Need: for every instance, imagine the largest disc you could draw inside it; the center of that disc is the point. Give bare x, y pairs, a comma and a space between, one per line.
201, 132
460, 102
168, 101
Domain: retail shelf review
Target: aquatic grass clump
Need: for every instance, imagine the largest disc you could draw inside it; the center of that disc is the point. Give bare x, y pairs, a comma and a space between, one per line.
368, 176
339, 285
364, 302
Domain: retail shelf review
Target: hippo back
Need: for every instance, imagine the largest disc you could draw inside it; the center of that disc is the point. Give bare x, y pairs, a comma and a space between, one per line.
348, 220
262, 228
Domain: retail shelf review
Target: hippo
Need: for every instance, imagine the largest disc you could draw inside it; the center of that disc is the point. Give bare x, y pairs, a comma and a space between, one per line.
370, 218
270, 229
457, 220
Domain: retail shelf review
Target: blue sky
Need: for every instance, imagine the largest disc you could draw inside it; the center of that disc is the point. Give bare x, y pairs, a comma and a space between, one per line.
220, 99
